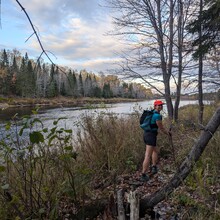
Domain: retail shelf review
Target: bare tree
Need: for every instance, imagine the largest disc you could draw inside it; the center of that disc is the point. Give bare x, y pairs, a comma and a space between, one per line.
157, 37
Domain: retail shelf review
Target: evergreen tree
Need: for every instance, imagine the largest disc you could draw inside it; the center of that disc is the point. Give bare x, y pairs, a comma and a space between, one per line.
75, 85
130, 91
97, 92
20, 80
52, 90
30, 80
208, 23
4, 59
5, 77
14, 72
63, 91
80, 88
107, 93
71, 84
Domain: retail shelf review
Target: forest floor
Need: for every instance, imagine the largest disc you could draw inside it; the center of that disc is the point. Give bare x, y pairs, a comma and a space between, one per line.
164, 210
185, 199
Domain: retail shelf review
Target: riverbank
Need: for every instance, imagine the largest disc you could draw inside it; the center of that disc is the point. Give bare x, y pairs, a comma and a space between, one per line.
58, 101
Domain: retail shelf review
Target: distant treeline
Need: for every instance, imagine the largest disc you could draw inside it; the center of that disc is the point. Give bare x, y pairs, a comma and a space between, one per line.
206, 96
25, 77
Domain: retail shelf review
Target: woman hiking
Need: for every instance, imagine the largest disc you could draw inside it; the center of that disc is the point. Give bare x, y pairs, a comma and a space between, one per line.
150, 139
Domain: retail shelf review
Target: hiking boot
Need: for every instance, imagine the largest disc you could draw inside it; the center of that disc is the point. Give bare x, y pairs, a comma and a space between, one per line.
154, 169
144, 177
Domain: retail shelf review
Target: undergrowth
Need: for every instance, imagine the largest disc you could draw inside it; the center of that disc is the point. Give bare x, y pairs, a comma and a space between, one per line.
199, 196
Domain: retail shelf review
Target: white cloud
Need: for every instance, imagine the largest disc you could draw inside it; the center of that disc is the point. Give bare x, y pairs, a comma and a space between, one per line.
73, 30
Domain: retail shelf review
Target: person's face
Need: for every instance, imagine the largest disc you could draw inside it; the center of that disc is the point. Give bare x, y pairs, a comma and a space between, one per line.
158, 107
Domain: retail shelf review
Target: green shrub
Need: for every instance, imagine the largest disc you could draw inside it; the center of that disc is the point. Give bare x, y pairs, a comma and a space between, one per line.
38, 169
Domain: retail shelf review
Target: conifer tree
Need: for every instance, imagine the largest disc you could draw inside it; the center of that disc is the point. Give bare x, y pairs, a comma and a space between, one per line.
75, 85
30, 81
14, 72
20, 80
52, 90
5, 77
107, 93
81, 88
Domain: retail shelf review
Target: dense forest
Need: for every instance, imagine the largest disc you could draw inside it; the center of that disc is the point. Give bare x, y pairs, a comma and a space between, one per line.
24, 77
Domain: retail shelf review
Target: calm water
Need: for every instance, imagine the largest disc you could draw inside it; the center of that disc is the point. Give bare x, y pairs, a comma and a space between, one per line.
73, 114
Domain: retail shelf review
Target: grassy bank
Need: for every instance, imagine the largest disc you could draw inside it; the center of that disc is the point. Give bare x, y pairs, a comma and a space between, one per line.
53, 176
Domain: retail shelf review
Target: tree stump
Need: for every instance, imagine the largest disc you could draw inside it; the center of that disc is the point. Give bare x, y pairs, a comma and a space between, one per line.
134, 201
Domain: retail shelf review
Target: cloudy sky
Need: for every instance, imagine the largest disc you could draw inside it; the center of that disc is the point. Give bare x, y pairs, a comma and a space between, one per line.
75, 31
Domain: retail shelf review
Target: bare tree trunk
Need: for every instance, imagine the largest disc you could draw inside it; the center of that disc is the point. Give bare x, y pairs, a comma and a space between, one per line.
166, 68
200, 98
168, 98
186, 166
180, 54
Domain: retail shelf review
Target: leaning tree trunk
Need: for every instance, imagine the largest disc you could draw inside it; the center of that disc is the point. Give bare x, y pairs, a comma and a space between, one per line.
187, 165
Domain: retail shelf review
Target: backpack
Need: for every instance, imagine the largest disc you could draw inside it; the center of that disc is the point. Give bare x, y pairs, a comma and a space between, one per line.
145, 120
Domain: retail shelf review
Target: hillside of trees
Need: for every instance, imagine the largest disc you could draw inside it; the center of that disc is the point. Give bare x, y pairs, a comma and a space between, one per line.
23, 77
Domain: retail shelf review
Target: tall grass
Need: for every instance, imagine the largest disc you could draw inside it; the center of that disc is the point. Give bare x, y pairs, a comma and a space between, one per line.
111, 144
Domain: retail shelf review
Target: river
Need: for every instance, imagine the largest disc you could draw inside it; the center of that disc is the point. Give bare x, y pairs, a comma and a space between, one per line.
73, 114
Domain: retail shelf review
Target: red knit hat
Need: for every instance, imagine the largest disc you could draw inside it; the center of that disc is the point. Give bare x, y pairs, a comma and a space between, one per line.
158, 102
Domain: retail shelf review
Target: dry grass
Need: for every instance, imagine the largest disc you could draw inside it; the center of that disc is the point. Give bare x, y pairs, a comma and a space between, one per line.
110, 143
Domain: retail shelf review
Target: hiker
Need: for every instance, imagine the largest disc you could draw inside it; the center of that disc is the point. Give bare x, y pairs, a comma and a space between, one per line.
150, 139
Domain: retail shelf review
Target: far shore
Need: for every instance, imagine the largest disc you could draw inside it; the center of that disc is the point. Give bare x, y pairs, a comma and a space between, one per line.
58, 101
16, 102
